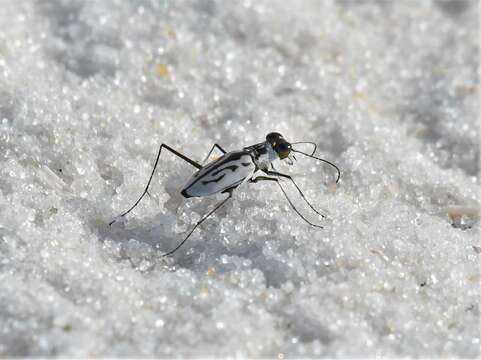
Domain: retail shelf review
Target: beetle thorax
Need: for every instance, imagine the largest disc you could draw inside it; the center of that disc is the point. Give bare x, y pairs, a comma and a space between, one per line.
266, 158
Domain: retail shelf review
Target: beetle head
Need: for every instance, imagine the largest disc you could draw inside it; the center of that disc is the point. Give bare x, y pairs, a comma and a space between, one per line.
279, 144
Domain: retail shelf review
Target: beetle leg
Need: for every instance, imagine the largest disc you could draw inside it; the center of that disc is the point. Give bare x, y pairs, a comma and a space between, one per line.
218, 206
211, 150
176, 153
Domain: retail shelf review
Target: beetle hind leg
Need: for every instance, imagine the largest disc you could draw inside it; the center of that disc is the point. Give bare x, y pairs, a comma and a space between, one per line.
146, 190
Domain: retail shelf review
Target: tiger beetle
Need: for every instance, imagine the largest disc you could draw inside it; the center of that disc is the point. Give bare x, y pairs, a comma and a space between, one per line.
235, 168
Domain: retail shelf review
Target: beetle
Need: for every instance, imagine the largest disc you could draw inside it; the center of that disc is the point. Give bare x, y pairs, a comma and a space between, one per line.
235, 168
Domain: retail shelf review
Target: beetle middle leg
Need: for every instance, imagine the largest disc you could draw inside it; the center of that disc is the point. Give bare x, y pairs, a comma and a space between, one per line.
275, 173
211, 150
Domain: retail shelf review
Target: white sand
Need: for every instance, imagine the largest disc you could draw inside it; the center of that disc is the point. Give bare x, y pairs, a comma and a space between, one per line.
389, 92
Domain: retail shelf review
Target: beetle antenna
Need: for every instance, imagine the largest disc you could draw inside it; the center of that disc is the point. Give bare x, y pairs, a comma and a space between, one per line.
326, 161
307, 142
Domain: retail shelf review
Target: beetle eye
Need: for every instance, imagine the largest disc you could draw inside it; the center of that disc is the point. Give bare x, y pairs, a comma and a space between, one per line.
283, 147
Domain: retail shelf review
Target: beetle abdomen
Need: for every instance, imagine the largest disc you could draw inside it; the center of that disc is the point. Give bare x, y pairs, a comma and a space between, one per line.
225, 173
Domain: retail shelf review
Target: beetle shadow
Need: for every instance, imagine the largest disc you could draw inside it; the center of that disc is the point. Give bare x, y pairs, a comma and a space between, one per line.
157, 234
150, 237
